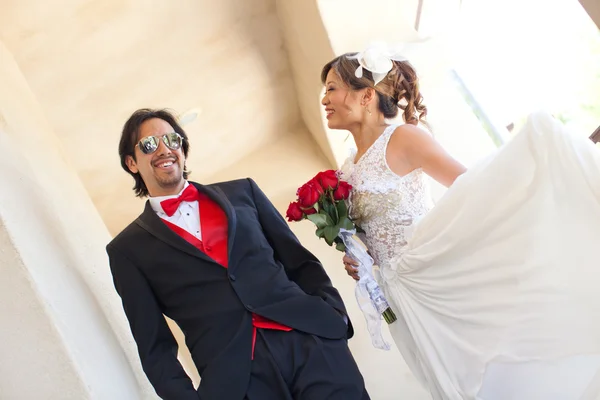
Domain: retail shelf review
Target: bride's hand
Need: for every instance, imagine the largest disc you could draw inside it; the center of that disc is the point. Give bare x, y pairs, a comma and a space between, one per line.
350, 266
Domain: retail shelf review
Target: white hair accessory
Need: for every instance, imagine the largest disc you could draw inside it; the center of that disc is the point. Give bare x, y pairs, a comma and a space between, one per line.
378, 59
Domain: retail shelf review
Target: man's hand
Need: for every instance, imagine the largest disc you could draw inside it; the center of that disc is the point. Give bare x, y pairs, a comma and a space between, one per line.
350, 266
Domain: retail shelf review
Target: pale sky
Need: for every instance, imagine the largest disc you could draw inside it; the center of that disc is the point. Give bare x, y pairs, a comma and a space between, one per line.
520, 55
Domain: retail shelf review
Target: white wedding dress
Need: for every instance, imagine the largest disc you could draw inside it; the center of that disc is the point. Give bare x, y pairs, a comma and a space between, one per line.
496, 288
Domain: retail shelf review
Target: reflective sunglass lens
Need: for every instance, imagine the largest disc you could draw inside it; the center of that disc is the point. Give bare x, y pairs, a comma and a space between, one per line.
148, 145
172, 140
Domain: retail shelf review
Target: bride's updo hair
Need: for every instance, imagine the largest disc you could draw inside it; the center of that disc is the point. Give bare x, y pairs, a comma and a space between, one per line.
398, 90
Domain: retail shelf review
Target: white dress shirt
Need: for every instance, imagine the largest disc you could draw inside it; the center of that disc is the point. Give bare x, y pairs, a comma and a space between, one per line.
187, 216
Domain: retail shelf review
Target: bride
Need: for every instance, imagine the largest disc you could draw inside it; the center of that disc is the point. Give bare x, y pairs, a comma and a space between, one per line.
496, 287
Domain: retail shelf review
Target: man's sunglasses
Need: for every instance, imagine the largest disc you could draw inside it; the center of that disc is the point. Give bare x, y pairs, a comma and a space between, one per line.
149, 144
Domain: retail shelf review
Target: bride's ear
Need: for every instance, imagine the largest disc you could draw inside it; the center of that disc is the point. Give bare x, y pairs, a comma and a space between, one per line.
368, 96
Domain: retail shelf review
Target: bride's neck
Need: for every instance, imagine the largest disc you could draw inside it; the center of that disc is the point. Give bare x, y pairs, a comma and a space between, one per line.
365, 135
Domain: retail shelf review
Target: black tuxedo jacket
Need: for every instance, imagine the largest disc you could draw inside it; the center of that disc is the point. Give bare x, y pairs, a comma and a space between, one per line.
157, 272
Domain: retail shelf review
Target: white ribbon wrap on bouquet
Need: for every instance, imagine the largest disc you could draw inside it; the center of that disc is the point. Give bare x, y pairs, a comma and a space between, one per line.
369, 295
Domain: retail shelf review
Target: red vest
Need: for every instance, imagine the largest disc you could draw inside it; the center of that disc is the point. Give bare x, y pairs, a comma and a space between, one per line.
213, 226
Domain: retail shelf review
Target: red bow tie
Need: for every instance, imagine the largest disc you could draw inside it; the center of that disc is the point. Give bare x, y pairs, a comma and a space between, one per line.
169, 206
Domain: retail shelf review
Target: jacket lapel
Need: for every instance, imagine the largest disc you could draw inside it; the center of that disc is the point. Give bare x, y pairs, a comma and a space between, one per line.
217, 195
153, 225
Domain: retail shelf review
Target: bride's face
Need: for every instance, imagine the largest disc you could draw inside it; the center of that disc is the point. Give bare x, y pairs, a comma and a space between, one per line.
342, 104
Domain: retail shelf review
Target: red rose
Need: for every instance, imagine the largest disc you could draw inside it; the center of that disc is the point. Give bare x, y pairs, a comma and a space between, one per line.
310, 211
317, 185
309, 194
294, 212
327, 179
343, 191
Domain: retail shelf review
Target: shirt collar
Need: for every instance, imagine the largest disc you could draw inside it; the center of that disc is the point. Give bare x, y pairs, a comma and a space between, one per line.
155, 201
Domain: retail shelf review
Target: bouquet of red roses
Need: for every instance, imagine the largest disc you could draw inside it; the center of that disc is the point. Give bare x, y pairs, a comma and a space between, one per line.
322, 200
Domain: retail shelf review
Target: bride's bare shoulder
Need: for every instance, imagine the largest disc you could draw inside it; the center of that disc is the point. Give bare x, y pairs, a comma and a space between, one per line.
407, 137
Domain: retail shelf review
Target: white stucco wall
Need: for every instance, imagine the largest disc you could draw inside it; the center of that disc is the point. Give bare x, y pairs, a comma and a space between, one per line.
63, 332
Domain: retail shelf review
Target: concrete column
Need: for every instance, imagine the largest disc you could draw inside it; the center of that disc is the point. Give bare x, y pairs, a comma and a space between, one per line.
593, 9
63, 333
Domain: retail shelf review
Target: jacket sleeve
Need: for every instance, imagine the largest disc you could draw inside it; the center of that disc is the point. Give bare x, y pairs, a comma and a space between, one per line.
157, 347
301, 266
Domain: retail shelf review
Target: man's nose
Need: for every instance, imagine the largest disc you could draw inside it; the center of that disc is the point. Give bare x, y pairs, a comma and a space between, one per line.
163, 150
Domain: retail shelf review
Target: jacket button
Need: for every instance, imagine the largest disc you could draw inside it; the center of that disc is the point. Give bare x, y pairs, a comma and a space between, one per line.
232, 277
249, 307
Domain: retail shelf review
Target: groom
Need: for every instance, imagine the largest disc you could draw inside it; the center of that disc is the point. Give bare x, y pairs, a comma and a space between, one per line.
260, 316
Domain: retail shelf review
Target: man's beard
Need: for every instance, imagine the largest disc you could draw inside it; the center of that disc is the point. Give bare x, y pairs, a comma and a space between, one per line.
169, 182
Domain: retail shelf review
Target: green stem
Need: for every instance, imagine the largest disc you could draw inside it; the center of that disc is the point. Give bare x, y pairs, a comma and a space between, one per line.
389, 316
337, 215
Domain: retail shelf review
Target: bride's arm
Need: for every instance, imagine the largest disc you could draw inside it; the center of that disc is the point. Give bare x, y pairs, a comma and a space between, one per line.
411, 147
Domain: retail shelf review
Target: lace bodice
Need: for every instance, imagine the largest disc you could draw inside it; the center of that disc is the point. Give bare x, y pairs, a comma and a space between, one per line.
382, 203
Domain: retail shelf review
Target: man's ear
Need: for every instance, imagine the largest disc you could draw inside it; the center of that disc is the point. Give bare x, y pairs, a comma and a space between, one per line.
131, 164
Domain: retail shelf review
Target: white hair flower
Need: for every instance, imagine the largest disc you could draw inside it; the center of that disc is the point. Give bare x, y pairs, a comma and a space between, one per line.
377, 58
